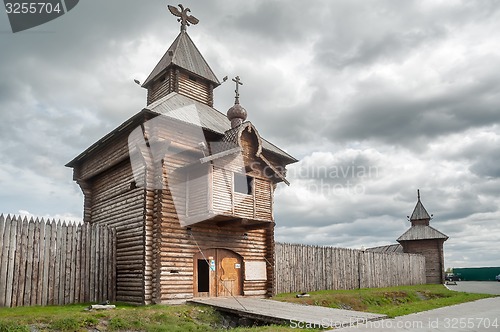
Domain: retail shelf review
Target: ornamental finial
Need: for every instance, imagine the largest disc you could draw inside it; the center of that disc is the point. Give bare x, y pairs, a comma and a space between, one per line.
238, 82
183, 16
237, 114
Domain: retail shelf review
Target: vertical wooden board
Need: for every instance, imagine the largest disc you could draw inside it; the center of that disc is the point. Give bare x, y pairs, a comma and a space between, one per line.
83, 260
36, 262
52, 262
87, 262
86, 250
62, 265
98, 268
5, 226
73, 262
44, 286
42, 244
78, 259
113, 264
20, 276
102, 264
29, 263
17, 262
11, 261
67, 270
105, 260
57, 264
92, 263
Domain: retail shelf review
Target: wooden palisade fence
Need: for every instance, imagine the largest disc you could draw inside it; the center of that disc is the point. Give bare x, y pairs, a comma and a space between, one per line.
304, 268
48, 262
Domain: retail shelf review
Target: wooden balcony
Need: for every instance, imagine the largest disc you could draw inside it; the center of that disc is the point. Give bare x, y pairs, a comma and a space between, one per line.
225, 197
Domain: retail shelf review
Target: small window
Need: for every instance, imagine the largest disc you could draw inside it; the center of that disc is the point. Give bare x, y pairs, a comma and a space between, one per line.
243, 184
192, 78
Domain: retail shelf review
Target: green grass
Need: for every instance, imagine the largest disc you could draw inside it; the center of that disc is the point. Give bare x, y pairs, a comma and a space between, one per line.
391, 301
125, 317
156, 318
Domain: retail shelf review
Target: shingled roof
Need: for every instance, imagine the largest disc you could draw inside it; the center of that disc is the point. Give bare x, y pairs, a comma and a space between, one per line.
421, 232
174, 105
184, 54
388, 249
209, 118
420, 213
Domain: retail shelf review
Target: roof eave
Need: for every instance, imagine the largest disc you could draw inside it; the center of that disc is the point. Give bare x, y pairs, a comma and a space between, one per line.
132, 120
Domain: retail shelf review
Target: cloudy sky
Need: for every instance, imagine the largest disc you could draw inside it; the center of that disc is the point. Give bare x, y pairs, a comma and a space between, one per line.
376, 99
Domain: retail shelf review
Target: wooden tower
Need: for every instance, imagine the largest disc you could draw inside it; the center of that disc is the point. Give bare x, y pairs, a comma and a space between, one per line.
188, 189
425, 240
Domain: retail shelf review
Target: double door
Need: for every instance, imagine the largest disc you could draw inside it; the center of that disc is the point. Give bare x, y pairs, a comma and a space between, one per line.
217, 272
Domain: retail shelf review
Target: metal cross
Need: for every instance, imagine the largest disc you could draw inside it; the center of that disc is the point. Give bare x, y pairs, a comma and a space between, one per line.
237, 91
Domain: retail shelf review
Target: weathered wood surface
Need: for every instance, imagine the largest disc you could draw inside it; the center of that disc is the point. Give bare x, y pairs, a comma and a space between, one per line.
173, 80
116, 202
432, 250
289, 313
47, 262
304, 268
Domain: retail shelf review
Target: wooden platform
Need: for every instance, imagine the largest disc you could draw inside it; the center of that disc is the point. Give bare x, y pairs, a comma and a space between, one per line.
291, 314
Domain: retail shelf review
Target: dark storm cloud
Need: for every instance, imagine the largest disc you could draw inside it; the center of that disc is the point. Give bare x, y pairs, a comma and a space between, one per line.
388, 116
362, 32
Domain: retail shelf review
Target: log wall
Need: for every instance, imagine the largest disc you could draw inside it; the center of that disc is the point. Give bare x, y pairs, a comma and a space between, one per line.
194, 87
178, 80
160, 88
117, 202
54, 263
304, 268
432, 250
177, 246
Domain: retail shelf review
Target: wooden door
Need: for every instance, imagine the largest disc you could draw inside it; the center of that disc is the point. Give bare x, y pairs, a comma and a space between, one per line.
229, 276
217, 272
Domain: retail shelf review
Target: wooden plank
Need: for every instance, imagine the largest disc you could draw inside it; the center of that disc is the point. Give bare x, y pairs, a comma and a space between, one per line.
78, 264
40, 236
93, 252
74, 260
36, 263
100, 271
113, 265
67, 271
45, 260
20, 277
54, 266
84, 293
282, 312
11, 260
4, 257
29, 263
